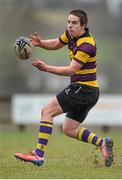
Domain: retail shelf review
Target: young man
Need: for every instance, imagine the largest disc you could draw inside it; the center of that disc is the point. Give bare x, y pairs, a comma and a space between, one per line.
79, 97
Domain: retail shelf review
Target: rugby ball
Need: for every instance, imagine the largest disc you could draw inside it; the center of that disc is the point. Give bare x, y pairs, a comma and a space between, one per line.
23, 48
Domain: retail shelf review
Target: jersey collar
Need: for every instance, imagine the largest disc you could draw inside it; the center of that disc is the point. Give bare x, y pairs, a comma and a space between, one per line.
85, 34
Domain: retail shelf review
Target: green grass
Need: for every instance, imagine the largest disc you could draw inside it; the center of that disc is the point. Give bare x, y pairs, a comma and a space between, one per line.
65, 158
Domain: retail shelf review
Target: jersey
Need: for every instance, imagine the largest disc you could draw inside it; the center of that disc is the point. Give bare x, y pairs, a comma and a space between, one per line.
83, 51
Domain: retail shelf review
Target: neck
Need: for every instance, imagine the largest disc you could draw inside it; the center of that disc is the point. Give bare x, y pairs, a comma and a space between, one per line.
80, 34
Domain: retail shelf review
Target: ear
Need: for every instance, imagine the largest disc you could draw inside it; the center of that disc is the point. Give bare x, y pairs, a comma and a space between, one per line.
83, 26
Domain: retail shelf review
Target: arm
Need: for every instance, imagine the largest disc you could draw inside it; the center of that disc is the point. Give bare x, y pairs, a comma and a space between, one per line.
50, 44
58, 70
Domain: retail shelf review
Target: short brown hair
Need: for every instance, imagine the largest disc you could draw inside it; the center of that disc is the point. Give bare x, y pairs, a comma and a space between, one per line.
82, 15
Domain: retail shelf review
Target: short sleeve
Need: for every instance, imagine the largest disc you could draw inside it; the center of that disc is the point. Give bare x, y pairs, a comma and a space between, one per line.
63, 38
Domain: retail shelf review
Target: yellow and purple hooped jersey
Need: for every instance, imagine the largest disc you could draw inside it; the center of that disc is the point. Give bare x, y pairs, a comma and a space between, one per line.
82, 50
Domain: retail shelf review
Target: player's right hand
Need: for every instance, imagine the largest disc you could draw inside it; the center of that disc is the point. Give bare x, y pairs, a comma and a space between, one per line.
39, 64
35, 39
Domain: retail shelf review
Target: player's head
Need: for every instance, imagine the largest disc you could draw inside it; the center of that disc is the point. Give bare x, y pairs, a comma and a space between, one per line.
82, 16
77, 22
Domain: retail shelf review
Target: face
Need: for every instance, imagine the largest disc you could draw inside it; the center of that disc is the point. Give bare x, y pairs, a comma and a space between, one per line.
74, 27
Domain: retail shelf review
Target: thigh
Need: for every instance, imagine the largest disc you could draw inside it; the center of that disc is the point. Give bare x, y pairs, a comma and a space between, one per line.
70, 123
71, 127
53, 107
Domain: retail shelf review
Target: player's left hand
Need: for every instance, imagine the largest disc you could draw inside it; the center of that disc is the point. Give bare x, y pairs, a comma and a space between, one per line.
41, 65
35, 39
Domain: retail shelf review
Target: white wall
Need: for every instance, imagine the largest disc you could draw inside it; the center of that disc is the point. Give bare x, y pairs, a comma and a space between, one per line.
26, 109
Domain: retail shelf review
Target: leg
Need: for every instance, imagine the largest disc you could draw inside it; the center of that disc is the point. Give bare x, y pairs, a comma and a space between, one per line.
77, 102
72, 128
51, 110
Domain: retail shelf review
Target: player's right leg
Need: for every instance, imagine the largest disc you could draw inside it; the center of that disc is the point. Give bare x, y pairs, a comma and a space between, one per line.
30, 157
51, 110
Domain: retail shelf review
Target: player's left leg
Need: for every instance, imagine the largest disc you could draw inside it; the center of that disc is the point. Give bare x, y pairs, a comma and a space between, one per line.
72, 129
51, 110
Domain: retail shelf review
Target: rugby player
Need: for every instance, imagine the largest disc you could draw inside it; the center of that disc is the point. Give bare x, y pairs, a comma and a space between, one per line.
79, 97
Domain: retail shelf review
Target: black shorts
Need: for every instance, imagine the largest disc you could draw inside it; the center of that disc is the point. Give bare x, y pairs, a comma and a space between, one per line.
77, 99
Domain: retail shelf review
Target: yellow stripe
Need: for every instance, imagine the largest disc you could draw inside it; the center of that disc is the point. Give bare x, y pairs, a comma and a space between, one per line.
90, 83
41, 147
80, 133
44, 135
90, 137
82, 56
86, 40
47, 125
98, 141
47, 121
64, 37
92, 59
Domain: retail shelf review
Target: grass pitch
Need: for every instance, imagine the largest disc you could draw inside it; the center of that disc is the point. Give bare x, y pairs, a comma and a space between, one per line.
65, 158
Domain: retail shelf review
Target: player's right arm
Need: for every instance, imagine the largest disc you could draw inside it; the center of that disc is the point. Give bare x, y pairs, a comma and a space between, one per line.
50, 44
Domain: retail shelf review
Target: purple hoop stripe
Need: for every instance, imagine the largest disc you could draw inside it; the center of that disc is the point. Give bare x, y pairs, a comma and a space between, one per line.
94, 140
90, 65
39, 152
42, 141
87, 48
83, 77
45, 129
77, 60
67, 34
85, 135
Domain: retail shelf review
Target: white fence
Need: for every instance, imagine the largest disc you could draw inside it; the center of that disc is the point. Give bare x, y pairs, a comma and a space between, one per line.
26, 109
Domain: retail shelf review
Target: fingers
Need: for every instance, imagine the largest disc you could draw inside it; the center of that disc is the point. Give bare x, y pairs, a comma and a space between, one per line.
39, 64
31, 37
35, 39
36, 61
36, 35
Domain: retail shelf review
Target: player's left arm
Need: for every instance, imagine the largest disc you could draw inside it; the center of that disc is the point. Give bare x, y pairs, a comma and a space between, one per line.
48, 44
58, 70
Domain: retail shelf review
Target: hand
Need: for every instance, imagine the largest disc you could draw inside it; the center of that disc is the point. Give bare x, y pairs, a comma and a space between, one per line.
35, 39
42, 66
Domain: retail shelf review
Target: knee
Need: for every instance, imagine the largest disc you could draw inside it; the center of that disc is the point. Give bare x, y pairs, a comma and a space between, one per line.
67, 131
47, 111
71, 132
